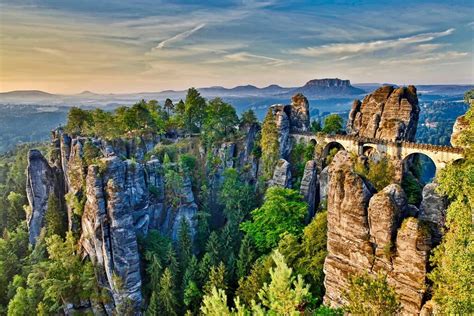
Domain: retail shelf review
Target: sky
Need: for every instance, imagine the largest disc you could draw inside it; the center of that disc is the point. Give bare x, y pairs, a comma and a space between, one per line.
68, 46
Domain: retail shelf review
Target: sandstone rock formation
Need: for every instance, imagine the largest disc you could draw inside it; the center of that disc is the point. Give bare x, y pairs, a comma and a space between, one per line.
309, 187
282, 119
387, 113
460, 125
365, 235
282, 174
299, 116
433, 211
324, 178
40, 184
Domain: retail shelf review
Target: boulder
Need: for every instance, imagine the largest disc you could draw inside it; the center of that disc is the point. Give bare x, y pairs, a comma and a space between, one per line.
387, 113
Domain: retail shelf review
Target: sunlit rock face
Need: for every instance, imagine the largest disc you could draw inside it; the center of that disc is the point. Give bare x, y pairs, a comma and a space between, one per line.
368, 232
460, 125
387, 113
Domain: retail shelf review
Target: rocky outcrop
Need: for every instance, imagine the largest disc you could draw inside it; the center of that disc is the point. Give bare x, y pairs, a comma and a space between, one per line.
410, 265
324, 178
40, 184
459, 126
299, 116
349, 248
281, 174
281, 113
387, 113
365, 235
309, 187
433, 211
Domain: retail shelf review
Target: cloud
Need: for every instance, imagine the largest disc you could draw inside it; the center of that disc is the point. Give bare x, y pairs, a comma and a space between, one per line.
427, 59
246, 57
368, 47
49, 51
179, 37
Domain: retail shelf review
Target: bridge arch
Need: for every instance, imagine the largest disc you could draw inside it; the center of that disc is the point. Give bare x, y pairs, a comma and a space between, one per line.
330, 150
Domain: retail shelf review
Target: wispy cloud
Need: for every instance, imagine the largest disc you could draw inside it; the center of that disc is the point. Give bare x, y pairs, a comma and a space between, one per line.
249, 57
368, 47
49, 51
427, 59
179, 37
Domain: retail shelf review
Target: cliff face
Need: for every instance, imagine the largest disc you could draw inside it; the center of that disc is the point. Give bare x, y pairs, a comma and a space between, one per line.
330, 86
387, 113
370, 232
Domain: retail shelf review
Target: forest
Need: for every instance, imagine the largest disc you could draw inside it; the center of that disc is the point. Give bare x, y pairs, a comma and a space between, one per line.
254, 250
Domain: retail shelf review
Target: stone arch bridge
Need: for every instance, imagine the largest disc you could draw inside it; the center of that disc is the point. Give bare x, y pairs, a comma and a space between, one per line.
400, 150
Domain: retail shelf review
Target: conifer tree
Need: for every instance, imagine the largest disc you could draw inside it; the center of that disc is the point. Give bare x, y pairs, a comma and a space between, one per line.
184, 244
216, 279
270, 144
166, 294
213, 248
54, 218
153, 307
246, 257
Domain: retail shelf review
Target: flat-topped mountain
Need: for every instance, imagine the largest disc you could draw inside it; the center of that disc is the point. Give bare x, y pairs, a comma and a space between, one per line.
326, 87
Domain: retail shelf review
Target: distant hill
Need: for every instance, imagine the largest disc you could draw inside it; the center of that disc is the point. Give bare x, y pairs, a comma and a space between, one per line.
316, 89
327, 87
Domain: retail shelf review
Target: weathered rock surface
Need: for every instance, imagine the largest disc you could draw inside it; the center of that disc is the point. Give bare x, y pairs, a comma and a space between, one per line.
410, 264
299, 116
324, 178
433, 211
365, 235
459, 126
387, 113
281, 113
309, 187
281, 174
40, 184
349, 248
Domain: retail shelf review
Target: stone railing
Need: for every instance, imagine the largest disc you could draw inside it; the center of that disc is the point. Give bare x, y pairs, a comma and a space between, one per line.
363, 140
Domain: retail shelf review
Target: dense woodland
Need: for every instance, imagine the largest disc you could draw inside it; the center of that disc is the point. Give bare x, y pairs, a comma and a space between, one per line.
255, 251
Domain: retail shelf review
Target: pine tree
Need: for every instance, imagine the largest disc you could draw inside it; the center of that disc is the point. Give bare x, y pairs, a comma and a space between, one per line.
171, 262
213, 248
246, 257
166, 294
154, 271
285, 294
54, 218
184, 244
216, 279
270, 144
204, 268
153, 307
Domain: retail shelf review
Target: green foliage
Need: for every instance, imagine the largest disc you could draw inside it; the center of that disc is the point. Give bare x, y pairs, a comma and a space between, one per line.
306, 255
315, 126
368, 295
269, 144
453, 273
285, 294
250, 286
55, 217
248, 118
219, 122
246, 257
333, 124
412, 188
77, 121
166, 296
187, 162
217, 279
332, 152
468, 96
379, 172
282, 211
194, 111
299, 155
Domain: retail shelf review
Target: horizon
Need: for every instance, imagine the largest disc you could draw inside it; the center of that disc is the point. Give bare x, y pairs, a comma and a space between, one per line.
117, 47
231, 87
